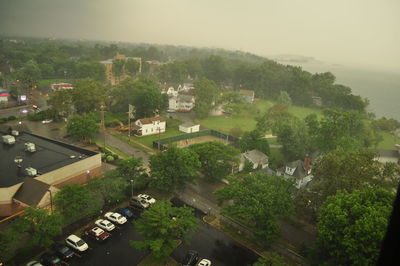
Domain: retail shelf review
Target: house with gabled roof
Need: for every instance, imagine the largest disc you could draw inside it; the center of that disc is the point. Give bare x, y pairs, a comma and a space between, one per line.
149, 126
298, 170
256, 157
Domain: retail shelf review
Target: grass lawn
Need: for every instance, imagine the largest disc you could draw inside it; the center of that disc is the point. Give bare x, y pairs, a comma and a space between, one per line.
45, 83
246, 118
388, 142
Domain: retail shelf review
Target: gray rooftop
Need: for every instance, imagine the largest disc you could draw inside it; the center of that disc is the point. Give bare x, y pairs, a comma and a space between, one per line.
50, 155
31, 191
189, 124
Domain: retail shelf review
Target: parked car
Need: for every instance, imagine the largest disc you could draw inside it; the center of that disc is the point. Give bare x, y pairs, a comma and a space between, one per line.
191, 258
96, 233
139, 203
50, 259
47, 121
147, 198
76, 243
126, 212
106, 225
63, 251
115, 217
34, 263
204, 262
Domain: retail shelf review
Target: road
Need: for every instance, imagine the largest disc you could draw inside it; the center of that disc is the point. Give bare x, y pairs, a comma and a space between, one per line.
37, 98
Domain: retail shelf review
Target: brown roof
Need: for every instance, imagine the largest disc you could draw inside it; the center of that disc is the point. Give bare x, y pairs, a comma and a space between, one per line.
150, 120
31, 192
247, 92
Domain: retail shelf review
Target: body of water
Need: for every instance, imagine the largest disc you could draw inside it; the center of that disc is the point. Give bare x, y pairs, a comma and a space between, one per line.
381, 88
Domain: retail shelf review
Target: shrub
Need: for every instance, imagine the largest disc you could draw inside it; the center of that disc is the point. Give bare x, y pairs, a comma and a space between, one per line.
11, 117
109, 158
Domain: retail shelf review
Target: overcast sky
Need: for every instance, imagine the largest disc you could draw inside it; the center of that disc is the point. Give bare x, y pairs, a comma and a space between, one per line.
351, 32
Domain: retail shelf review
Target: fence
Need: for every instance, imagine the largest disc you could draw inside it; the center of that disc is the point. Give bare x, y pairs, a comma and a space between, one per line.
207, 132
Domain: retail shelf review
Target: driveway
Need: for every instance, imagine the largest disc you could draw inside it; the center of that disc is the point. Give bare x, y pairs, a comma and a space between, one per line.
124, 147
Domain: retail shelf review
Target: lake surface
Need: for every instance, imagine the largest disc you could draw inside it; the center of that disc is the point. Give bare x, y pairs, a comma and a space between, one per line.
381, 88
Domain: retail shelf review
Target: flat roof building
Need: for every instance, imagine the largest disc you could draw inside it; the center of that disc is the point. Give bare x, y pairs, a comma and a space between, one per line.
49, 163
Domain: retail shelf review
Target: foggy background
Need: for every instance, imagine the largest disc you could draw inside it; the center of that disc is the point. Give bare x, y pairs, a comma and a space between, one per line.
353, 32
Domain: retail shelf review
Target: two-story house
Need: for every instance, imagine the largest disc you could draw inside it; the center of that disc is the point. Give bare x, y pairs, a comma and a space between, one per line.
181, 103
298, 170
149, 126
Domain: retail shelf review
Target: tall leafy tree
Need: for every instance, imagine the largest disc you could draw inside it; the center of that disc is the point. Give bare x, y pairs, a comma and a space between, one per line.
61, 103
41, 226
206, 95
293, 136
284, 98
162, 225
29, 74
82, 127
173, 168
118, 68
93, 70
76, 201
87, 95
217, 159
132, 66
254, 140
131, 169
148, 98
258, 200
351, 226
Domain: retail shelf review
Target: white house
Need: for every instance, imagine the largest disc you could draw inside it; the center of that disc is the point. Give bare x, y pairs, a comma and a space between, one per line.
149, 126
189, 127
61, 86
4, 96
256, 157
298, 170
248, 95
181, 103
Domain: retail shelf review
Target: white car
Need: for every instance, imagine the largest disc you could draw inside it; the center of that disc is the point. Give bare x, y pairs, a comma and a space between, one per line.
106, 225
204, 262
76, 243
32, 263
147, 198
115, 217
47, 121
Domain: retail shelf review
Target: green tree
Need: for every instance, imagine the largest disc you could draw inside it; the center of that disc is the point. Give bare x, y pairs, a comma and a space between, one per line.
118, 68
76, 201
274, 114
173, 168
93, 70
87, 95
41, 226
217, 159
82, 127
162, 225
293, 135
109, 189
8, 242
254, 140
148, 98
351, 226
284, 98
271, 259
131, 169
132, 66
206, 95
124, 94
29, 74
258, 200
61, 103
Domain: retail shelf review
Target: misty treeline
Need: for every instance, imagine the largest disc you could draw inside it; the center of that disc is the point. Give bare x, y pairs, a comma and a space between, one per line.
231, 70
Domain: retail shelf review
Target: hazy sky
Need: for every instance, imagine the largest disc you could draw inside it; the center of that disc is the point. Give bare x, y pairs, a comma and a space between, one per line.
353, 32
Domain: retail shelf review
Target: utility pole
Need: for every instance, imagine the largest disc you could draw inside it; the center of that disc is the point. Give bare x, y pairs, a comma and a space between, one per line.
159, 129
103, 125
131, 111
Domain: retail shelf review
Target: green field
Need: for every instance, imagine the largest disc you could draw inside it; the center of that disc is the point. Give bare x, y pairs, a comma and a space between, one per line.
388, 142
245, 119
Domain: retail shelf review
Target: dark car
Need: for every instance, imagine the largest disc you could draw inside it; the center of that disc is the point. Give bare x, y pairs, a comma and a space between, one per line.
63, 251
126, 212
96, 233
50, 259
190, 259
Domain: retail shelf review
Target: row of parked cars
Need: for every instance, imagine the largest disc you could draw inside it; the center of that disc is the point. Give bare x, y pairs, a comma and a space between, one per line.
99, 232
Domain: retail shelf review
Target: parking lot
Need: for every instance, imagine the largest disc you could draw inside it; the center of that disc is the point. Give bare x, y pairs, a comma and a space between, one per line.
209, 242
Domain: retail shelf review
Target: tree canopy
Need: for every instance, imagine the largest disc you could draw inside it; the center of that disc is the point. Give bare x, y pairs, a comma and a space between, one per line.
206, 95
173, 168
162, 225
82, 126
87, 95
258, 200
351, 226
217, 159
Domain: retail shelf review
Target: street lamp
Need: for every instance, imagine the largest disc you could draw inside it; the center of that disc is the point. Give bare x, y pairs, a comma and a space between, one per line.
131, 187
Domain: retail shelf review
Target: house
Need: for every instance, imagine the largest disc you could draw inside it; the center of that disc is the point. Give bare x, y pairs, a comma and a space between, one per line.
61, 86
181, 103
149, 126
189, 127
385, 156
248, 95
317, 101
256, 157
298, 170
4, 96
